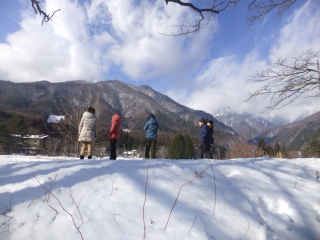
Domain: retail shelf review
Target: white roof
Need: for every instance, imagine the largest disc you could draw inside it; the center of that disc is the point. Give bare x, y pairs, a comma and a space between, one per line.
54, 119
30, 136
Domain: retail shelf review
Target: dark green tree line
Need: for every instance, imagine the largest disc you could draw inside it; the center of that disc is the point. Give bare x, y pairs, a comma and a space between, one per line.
10, 133
181, 147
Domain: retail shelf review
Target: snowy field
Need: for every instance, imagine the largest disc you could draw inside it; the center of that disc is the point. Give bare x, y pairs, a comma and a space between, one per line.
66, 198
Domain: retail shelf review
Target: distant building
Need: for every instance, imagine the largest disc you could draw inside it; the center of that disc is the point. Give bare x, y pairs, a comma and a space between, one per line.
130, 154
55, 119
30, 143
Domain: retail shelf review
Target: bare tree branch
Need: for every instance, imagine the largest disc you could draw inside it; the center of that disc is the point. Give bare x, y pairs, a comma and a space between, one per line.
145, 199
72, 106
240, 148
260, 8
197, 175
49, 192
286, 79
46, 17
257, 9
205, 13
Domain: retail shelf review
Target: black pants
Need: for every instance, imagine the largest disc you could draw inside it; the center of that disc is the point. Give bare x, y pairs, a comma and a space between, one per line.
151, 144
205, 148
113, 145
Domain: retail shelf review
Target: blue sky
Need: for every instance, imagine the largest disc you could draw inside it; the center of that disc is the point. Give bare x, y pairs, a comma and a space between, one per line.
105, 40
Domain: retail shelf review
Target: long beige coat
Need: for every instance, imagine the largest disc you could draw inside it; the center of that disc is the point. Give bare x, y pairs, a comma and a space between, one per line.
87, 127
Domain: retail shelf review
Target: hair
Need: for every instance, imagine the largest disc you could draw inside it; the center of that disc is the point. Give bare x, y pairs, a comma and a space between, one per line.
202, 120
91, 110
151, 116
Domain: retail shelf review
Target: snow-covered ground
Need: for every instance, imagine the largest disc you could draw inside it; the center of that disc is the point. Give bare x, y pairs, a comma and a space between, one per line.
66, 198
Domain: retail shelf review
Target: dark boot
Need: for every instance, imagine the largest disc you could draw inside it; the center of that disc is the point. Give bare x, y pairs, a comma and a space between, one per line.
89, 157
81, 157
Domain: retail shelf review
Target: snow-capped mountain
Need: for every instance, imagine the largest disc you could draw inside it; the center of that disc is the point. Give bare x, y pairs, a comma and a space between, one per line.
246, 125
277, 120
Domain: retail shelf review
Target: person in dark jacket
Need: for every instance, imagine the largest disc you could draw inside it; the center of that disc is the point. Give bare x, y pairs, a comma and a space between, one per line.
87, 131
114, 134
205, 139
210, 127
151, 127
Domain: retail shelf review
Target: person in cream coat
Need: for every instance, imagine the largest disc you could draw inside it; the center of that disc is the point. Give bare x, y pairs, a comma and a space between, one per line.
87, 132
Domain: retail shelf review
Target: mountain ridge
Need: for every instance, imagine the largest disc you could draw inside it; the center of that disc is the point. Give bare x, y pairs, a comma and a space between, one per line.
133, 103
296, 135
246, 125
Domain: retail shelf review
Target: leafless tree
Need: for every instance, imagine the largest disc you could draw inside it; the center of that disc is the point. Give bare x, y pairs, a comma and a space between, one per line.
72, 107
205, 9
286, 79
260, 8
257, 9
51, 145
46, 17
242, 149
162, 151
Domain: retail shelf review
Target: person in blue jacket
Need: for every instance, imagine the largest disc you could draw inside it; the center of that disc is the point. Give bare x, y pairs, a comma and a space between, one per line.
205, 139
151, 127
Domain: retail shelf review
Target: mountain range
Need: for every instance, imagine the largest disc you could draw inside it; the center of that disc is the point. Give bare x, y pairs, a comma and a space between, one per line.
295, 136
133, 103
246, 125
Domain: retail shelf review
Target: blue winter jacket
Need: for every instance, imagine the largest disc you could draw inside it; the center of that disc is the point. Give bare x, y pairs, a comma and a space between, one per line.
152, 128
205, 134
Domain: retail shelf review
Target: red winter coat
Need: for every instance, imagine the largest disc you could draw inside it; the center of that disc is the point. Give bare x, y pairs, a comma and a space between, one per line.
114, 131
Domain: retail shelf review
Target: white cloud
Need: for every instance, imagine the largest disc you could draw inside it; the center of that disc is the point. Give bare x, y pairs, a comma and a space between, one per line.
142, 51
102, 38
84, 41
57, 51
301, 32
223, 84
223, 81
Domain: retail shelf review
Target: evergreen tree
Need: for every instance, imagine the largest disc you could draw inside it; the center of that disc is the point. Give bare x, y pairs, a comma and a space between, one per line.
4, 137
276, 148
314, 149
188, 147
10, 132
177, 147
284, 151
181, 147
262, 144
269, 150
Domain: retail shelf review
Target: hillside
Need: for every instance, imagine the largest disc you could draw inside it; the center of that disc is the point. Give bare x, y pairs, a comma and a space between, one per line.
133, 103
246, 125
295, 135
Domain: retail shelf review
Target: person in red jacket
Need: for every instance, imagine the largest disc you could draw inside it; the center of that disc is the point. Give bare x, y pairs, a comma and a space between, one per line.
114, 134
